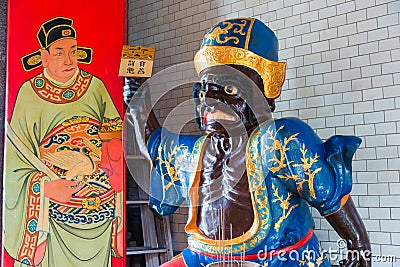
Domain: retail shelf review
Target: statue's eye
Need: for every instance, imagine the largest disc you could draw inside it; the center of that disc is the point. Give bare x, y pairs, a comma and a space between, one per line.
230, 90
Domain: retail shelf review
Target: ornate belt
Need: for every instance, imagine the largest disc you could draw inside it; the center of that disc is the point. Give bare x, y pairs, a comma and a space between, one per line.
264, 254
89, 202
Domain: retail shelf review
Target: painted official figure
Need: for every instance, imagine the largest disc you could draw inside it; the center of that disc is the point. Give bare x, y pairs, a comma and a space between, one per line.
63, 167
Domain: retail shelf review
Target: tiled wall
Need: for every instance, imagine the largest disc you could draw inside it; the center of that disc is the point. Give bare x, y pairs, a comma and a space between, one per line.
343, 76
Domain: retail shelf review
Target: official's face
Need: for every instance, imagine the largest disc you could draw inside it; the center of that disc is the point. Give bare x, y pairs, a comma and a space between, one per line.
61, 60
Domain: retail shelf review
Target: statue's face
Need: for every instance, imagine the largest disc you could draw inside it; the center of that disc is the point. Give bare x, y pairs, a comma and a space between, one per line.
226, 99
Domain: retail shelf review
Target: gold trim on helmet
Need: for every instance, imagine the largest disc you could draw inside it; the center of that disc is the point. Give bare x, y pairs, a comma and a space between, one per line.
271, 72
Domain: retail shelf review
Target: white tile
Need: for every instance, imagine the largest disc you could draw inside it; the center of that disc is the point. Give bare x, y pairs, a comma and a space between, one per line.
322, 68
339, 42
346, 8
388, 20
323, 89
332, 77
380, 238
327, 12
311, 59
314, 80
328, 34
341, 64
375, 141
393, 139
354, 119
342, 87
379, 34
305, 71
317, 4
394, 31
377, 11
366, 153
394, 7
367, 25
296, 83
368, 48
333, 99
378, 189
384, 104
301, 8
365, 130
351, 51
391, 225
351, 74
380, 57
357, 39
347, 29
388, 44
367, 177
344, 109
303, 92
310, 38
362, 107
377, 164
371, 94
379, 213
387, 152
369, 201
360, 61
395, 238
319, 25
307, 113
391, 67
383, 80
302, 50
330, 55
309, 17
364, 4
357, 16
360, 190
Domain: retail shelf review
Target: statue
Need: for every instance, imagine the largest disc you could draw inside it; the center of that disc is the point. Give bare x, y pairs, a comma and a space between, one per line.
249, 181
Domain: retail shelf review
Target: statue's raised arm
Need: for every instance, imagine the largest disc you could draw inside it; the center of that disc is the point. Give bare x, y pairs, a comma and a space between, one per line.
144, 119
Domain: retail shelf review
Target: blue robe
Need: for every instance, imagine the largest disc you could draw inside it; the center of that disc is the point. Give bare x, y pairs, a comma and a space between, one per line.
289, 169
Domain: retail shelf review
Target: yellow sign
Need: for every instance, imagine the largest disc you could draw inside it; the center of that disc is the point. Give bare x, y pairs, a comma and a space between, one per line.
137, 61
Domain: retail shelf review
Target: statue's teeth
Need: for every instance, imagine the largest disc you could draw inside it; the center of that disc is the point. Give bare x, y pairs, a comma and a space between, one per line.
219, 115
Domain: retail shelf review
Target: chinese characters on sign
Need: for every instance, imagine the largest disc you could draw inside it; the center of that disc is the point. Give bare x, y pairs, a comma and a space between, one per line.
136, 61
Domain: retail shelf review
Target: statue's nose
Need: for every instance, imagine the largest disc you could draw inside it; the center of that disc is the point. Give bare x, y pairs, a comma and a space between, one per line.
203, 91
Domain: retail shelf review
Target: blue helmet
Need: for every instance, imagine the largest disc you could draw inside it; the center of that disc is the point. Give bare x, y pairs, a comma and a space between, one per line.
246, 42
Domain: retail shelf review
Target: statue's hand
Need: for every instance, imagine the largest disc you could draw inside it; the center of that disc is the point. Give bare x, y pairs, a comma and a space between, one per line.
141, 110
357, 257
131, 87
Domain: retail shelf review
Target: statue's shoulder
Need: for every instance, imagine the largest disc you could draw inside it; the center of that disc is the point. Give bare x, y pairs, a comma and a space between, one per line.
292, 123
285, 128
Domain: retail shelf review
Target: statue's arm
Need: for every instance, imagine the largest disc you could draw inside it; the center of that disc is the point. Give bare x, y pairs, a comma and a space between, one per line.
348, 224
143, 117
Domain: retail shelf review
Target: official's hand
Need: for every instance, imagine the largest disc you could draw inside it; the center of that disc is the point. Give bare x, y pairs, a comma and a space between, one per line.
61, 190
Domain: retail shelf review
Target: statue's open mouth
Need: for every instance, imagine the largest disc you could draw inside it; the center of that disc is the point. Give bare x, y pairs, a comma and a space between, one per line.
218, 115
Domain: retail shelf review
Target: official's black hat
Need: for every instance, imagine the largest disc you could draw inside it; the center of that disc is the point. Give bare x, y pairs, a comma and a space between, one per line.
51, 31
